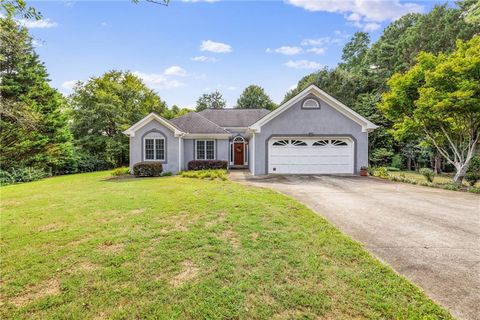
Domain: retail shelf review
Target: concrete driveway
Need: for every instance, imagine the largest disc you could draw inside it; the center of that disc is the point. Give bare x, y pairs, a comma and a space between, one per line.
430, 236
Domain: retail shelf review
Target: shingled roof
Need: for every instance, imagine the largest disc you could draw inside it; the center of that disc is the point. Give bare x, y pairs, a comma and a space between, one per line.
195, 123
234, 117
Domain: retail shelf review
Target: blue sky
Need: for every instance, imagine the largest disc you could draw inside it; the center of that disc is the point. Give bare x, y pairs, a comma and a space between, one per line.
192, 47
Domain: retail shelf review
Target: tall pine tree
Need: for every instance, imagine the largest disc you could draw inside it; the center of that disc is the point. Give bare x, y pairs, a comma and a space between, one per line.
34, 127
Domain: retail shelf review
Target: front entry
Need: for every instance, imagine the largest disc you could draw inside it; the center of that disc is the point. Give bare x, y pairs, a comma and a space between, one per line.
238, 156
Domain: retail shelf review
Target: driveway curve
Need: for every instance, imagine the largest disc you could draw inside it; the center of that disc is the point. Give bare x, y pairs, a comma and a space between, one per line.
431, 236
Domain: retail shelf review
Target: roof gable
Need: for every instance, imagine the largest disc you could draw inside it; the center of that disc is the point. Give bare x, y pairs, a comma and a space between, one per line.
152, 117
325, 97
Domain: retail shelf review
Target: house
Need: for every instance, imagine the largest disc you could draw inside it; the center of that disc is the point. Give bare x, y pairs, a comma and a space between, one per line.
312, 133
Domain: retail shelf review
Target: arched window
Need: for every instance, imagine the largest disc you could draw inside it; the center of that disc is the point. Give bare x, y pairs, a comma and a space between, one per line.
298, 143
239, 139
310, 104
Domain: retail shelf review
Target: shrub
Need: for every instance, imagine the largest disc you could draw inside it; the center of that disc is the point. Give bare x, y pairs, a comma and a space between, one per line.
5, 178
451, 186
205, 174
427, 173
207, 164
28, 174
474, 189
380, 172
370, 170
121, 171
393, 169
147, 169
167, 174
381, 156
472, 178
397, 161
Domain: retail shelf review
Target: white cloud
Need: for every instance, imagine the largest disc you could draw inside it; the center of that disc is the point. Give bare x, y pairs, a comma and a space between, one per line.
370, 26
204, 59
217, 47
175, 71
38, 24
37, 43
103, 24
369, 10
158, 81
286, 50
303, 64
316, 50
69, 85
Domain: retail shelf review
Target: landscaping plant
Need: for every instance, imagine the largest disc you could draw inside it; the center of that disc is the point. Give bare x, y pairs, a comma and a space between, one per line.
429, 174
147, 169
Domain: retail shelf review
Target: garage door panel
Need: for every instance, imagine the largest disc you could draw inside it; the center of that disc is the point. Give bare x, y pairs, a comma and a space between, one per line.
329, 156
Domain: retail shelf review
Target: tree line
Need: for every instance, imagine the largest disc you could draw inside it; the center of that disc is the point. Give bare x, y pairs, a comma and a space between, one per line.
402, 82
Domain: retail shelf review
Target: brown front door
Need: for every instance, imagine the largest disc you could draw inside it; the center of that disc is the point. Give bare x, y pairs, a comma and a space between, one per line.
238, 154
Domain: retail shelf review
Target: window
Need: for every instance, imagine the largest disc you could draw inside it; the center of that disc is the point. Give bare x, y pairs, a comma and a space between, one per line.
338, 143
320, 143
280, 143
296, 143
205, 149
154, 147
310, 104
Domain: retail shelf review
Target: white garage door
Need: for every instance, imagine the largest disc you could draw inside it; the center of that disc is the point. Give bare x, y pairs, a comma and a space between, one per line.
310, 155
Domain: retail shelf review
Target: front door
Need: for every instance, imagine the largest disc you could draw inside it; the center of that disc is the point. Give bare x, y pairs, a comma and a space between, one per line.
238, 156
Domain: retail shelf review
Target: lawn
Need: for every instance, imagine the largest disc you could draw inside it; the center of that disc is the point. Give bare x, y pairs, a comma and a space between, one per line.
83, 246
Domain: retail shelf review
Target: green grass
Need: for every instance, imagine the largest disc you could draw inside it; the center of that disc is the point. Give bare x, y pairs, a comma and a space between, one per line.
83, 246
205, 174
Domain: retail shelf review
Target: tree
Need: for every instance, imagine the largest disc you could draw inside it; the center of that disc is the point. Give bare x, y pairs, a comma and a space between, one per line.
104, 107
19, 8
175, 111
440, 98
355, 51
471, 11
254, 97
34, 128
212, 100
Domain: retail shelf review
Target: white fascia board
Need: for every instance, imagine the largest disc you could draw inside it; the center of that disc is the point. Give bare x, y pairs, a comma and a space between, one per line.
206, 136
152, 116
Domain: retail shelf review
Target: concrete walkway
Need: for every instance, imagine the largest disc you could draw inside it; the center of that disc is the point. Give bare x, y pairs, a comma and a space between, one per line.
431, 236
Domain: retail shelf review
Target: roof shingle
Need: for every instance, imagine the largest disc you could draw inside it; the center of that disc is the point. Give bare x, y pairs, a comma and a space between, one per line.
234, 117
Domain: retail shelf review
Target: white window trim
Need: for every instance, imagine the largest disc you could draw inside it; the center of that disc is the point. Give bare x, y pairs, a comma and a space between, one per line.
205, 145
316, 106
154, 148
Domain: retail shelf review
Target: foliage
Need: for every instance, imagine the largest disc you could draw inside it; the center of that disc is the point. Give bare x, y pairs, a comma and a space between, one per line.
211, 174
440, 98
167, 174
393, 169
254, 97
175, 112
212, 100
355, 51
26, 174
34, 126
120, 171
147, 169
6, 178
380, 172
427, 173
105, 106
207, 164
451, 186
19, 8
381, 156
472, 178
474, 189
471, 11
397, 161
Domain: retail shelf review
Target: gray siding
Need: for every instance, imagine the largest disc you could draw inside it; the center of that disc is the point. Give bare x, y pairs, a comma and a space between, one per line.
298, 121
136, 146
221, 150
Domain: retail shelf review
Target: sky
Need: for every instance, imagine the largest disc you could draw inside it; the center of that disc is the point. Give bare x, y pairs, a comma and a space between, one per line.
193, 47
